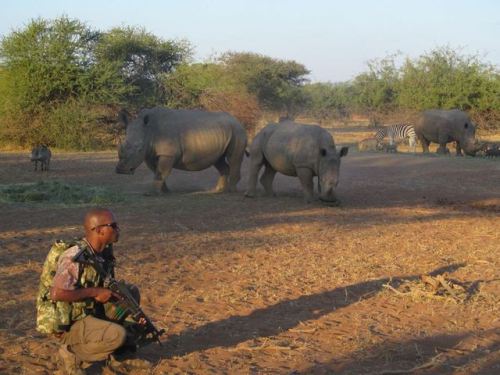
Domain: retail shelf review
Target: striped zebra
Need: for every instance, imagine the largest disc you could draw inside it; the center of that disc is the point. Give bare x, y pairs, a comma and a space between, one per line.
397, 133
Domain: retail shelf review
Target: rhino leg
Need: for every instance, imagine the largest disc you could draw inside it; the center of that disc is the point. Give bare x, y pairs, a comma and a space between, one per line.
442, 149
163, 169
458, 149
234, 161
425, 144
305, 176
222, 182
267, 179
256, 162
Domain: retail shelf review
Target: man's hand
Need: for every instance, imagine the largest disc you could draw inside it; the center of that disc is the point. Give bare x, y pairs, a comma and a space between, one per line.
103, 295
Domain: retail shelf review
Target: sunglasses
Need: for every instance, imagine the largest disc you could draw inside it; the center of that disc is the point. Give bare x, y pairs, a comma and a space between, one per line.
113, 225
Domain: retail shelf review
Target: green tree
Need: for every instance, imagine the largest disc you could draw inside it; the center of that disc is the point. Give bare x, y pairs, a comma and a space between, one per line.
376, 90
328, 100
276, 83
143, 59
48, 68
443, 78
211, 87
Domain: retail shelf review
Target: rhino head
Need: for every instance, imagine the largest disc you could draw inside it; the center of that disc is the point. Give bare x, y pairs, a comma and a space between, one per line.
468, 139
132, 152
329, 172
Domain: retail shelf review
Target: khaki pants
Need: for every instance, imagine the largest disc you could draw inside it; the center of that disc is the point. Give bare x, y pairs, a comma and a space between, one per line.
93, 339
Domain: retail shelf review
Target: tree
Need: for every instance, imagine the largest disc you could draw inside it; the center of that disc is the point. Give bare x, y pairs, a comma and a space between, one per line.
46, 66
328, 100
445, 79
211, 87
376, 90
276, 83
143, 59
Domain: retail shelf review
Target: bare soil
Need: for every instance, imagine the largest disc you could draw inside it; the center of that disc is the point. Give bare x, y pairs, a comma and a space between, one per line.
274, 285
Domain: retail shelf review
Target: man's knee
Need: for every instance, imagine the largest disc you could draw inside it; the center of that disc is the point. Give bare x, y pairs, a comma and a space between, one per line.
115, 336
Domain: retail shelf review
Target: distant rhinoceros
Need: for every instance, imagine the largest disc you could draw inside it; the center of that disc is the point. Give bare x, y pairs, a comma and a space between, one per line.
444, 126
298, 150
190, 140
41, 154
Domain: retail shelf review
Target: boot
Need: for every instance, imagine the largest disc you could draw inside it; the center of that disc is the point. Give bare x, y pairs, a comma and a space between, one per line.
71, 364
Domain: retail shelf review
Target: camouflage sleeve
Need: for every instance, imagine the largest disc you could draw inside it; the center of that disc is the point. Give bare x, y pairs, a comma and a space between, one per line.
66, 275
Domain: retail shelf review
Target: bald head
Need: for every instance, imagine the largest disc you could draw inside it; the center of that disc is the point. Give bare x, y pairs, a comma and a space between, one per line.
96, 217
101, 228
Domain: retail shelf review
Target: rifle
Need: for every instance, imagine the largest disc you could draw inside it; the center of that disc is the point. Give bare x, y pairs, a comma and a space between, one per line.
127, 305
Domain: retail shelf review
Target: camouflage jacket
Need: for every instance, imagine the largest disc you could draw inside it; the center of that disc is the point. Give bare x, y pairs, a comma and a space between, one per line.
57, 316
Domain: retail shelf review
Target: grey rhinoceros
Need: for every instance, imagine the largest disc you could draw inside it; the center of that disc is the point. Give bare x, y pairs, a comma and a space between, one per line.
298, 150
444, 126
190, 140
41, 154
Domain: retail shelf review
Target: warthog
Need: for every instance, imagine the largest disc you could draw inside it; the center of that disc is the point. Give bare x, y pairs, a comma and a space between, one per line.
41, 154
489, 150
368, 144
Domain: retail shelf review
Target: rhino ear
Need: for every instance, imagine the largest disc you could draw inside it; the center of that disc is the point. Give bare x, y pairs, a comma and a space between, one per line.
322, 152
343, 151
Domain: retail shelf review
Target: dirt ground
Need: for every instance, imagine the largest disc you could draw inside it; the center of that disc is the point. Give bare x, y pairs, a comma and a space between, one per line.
274, 285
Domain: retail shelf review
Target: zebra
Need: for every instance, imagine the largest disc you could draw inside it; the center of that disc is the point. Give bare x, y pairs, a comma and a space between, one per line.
397, 133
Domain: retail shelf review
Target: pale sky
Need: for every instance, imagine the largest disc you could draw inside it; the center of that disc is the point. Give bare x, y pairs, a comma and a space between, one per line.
333, 39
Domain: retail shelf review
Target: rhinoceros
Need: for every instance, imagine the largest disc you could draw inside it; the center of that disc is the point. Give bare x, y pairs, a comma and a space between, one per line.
444, 126
41, 154
190, 140
298, 150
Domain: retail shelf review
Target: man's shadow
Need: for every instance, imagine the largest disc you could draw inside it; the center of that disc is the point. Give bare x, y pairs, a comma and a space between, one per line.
272, 320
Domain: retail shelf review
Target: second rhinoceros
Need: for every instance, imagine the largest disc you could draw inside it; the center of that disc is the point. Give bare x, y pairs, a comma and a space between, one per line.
444, 126
298, 150
190, 140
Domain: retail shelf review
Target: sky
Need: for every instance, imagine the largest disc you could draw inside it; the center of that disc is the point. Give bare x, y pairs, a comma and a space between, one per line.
333, 39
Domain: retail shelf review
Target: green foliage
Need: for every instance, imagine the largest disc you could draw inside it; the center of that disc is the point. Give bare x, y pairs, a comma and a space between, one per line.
55, 192
445, 79
50, 62
442, 79
143, 60
187, 84
48, 68
327, 100
376, 90
276, 83
212, 87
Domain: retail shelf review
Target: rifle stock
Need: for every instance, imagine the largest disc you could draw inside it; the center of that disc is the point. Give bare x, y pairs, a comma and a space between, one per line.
127, 305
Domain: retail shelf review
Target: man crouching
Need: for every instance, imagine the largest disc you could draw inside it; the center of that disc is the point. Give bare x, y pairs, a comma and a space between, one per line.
71, 296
